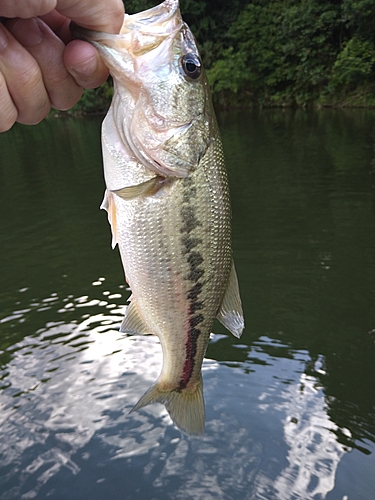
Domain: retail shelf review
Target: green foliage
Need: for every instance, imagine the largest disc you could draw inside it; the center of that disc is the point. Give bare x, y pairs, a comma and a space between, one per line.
133, 6
293, 52
279, 52
354, 64
358, 18
286, 51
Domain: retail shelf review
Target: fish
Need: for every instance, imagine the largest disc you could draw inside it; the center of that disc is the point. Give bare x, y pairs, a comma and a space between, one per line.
167, 199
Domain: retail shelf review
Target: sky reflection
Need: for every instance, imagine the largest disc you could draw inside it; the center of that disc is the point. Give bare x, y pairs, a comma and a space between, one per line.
67, 391
290, 407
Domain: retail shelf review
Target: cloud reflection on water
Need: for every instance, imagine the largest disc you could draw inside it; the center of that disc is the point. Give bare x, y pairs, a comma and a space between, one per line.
64, 417
314, 453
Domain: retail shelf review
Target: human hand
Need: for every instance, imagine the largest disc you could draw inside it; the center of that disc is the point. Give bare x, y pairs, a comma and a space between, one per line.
40, 65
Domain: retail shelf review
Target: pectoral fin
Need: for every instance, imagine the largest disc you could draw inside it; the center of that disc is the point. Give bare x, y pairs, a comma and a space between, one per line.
133, 322
147, 188
230, 313
109, 205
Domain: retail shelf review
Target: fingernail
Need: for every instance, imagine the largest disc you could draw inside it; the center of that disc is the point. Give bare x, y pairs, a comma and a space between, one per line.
3, 38
27, 32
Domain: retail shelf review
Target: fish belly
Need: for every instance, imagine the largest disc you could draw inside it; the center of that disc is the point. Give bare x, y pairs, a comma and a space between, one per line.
175, 248
176, 252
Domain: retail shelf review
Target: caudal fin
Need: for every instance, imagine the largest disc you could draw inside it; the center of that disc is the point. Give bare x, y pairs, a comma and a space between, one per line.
185, 407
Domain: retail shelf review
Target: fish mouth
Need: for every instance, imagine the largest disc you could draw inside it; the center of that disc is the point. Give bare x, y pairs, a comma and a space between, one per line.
129, 56
148, 20
140, 32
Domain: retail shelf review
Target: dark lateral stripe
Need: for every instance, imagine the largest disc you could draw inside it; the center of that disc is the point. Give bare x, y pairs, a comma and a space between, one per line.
194, 258
193, 334
195, 291
195, 274
195, 320
189, 219
189, 243
191, 351
195, 306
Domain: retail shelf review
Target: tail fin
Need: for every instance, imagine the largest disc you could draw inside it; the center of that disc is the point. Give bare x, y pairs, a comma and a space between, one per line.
185, 407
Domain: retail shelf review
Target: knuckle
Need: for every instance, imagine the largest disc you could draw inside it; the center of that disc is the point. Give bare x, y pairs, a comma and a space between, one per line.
29, 76
67, 102
63, 91
35, 114
8, 112
7, 124
36, 105
23, 97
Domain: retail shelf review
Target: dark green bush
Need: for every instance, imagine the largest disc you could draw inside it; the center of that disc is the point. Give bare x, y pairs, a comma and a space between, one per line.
278, 52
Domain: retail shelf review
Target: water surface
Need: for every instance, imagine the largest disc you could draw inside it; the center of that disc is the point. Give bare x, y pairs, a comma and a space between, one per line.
290, 405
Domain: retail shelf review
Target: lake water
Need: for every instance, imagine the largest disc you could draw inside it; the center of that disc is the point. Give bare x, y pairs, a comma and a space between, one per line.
290, 405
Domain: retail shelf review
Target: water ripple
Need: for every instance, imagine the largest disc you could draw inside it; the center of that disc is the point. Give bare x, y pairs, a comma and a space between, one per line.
68, 388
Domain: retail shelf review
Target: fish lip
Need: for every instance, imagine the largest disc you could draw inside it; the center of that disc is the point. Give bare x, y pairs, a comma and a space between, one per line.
94, 37
160, 14
144, 22
80, 33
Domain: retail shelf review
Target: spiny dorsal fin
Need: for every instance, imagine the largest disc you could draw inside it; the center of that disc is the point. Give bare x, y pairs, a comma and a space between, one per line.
230, 313
133, 322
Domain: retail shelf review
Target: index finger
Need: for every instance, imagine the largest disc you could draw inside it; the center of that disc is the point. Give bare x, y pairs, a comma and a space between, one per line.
97, 15
25, 8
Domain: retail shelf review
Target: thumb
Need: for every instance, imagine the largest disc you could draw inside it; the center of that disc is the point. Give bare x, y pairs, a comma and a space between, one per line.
84, 63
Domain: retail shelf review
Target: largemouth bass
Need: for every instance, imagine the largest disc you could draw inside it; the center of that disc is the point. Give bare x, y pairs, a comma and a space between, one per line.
167, 200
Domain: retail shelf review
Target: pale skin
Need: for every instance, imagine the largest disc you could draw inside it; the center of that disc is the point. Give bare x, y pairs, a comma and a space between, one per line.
40, 65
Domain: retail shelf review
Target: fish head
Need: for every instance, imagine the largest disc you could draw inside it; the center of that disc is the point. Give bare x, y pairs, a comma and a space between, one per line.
162, 105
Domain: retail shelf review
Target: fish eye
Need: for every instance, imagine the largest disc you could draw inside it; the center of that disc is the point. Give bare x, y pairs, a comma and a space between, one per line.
192, 66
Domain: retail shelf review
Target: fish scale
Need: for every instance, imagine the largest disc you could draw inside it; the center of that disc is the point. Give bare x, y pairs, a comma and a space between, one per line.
167, 199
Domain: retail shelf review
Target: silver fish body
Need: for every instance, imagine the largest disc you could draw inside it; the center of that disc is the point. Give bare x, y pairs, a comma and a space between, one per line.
168, 201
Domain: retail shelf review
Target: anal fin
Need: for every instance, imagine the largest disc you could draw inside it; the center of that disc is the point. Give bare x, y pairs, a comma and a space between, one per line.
133, 322
109, 205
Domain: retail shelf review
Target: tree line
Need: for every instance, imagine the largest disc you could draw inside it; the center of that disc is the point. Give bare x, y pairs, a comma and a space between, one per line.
279, 52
